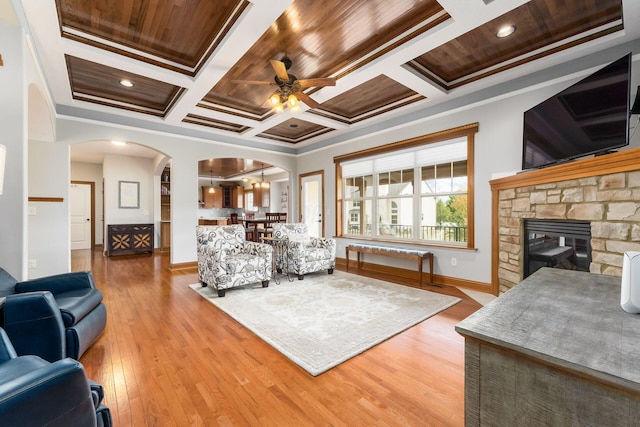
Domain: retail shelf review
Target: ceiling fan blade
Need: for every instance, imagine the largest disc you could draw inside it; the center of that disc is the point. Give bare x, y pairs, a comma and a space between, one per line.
306, 99
254, 82
280, 69
320, 82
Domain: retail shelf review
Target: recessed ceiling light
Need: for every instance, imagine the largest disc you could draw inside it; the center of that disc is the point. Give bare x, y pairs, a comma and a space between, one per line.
126, 83
119, 143
505, 31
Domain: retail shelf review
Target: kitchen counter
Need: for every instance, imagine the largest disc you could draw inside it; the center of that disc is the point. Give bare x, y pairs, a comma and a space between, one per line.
213, 221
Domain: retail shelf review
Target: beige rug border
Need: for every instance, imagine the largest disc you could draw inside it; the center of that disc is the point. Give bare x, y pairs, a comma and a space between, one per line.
324, 358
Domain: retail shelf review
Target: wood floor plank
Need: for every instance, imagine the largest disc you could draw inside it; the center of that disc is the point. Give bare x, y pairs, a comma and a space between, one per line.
170, 358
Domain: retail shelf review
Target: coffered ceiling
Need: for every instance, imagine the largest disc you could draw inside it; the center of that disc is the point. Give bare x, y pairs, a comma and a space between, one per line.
389, 58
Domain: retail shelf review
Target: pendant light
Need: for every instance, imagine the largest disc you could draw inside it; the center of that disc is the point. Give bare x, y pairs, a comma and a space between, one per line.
263, 184
211, 189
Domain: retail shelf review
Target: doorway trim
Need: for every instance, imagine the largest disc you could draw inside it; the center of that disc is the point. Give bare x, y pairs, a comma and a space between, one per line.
93, 209
300, 177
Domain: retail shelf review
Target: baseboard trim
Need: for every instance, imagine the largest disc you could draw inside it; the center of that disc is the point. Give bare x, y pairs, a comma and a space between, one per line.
182, 266
409, 277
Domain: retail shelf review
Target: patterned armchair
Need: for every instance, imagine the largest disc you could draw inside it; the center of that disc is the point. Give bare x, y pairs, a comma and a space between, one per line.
227, 260
303, 254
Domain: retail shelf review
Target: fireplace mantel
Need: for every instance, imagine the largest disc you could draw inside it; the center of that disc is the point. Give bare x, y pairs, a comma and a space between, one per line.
622, 161
576, 173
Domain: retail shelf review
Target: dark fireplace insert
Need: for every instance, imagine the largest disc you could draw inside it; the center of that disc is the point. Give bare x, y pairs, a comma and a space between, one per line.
556, 244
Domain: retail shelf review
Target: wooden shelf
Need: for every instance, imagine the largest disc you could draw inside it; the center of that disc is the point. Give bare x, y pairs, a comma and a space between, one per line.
165, 209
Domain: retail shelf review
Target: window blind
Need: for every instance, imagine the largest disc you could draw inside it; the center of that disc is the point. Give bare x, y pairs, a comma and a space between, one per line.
448, 151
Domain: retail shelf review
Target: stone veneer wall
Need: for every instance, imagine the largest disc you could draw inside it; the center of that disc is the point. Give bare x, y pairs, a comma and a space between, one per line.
610, 202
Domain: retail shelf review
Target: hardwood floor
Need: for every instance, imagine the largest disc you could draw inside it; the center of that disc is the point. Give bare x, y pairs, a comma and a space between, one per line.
170, 358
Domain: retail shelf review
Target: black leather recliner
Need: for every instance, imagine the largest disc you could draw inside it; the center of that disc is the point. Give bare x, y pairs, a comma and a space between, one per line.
34, 392
53, 317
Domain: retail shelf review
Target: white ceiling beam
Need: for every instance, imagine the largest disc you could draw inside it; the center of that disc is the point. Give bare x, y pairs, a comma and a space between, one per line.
256, 20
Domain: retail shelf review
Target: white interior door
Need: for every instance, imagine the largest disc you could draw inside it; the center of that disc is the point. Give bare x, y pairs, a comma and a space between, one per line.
81, 222
312, 203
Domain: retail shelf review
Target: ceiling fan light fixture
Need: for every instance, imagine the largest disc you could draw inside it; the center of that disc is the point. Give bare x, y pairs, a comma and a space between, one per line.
288, 84
293, 103
274, 99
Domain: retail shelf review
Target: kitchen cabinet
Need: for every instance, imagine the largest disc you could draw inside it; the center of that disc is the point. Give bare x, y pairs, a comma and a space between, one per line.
212, 200
261, 195
238, 197
225, 196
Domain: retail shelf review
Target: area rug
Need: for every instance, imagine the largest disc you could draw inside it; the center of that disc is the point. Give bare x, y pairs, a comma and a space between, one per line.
323, 320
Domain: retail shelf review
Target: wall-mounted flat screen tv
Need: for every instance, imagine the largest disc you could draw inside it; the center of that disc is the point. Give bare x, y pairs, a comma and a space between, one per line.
589, 117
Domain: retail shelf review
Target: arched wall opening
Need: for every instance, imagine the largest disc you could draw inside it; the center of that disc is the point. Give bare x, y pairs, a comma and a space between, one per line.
240, 185
113, 165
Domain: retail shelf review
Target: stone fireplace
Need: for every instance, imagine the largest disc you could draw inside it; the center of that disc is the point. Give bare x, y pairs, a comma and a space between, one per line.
602, 191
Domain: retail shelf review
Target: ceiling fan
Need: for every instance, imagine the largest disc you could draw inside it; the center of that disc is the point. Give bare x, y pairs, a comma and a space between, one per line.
290, 89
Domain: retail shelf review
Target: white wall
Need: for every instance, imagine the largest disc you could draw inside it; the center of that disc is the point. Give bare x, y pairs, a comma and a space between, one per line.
48, 237
92, 172
13, 201
118, 168
275, 198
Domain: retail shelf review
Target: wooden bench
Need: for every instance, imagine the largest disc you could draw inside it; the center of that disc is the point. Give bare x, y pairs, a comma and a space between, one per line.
416, 254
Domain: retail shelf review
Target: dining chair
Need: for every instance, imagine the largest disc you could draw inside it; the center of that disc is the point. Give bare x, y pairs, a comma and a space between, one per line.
250, 230
267, 229
248, 233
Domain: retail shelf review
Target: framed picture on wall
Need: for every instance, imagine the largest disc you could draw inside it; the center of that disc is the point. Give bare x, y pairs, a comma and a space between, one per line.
128, 195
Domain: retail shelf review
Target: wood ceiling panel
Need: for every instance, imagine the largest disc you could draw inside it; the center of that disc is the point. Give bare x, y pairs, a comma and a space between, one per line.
244, 109
100, 84
294, 131
539, 23
322, 38
368, 99
184, 32
214, 123
229, 167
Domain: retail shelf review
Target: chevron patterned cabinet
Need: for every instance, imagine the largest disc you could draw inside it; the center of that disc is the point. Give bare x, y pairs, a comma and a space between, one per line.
129, 239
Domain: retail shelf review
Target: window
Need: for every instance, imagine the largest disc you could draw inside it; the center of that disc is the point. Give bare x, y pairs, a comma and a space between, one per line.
443, 201
248, 196
410, 191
